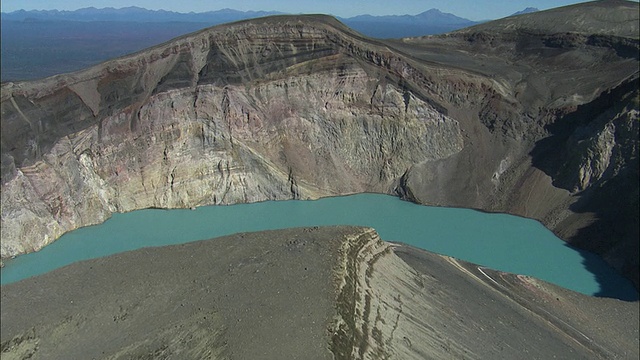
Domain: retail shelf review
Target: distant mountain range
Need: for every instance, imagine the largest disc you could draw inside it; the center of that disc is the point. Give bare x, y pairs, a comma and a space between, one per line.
394, 26
429, 22
32, 40
526, 11
433, 16
134, 13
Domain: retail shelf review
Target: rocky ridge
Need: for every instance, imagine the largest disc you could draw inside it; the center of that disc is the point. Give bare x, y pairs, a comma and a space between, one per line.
324, 293
310, 125
303, 107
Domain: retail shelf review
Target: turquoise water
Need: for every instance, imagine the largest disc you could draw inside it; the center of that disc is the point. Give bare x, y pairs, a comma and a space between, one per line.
500, 241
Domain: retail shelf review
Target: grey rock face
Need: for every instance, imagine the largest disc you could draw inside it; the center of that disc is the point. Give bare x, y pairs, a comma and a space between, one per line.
165, 129
303, 107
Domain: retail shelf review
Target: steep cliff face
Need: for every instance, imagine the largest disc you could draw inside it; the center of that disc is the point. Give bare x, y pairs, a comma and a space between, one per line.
282, 115
303, 107
570, 103
597, 162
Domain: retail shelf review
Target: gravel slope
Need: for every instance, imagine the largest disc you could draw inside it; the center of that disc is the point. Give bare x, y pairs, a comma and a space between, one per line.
309, 293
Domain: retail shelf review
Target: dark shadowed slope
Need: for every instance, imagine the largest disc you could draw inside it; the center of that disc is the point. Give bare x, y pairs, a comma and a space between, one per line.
571, 79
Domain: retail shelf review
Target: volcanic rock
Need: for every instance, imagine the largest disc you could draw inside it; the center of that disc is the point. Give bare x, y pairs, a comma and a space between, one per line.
535, 115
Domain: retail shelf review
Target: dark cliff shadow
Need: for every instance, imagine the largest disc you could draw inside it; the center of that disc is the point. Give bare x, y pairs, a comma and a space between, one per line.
551, 154
609, 205
610, 282
613, 234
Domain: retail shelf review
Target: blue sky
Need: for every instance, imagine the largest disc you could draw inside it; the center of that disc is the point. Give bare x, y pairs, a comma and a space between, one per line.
470, 9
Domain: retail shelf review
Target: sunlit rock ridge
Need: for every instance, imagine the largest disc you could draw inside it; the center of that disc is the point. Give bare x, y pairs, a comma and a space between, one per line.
528, 115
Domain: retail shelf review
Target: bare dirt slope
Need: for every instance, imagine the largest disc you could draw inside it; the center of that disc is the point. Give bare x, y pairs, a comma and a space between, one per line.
310, 293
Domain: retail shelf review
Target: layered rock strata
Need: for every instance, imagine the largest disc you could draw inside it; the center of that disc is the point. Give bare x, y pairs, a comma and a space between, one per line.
226, 116
500, 118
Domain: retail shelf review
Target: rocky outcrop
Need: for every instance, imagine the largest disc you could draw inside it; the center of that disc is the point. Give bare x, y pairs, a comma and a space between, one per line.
570, 103
313, 123
394, 302
597, 161
303, 107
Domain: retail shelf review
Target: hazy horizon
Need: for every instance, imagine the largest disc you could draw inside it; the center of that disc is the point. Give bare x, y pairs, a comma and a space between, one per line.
470, 9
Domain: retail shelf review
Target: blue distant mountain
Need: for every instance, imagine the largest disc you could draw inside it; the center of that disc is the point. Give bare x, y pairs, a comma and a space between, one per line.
395, 26
135, 14
525, 11
31, 40
429, 22
433, 17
